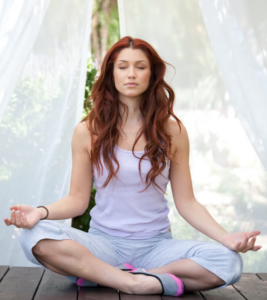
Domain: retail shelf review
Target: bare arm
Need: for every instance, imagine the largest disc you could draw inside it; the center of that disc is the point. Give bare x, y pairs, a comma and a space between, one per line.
187, 205
77, 201
78, 198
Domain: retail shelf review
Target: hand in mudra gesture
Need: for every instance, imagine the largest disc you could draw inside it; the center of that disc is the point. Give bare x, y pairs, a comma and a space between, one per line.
23, 216
238, 241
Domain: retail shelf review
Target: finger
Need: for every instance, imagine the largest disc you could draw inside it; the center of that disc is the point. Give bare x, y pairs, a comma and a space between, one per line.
241, 245
252, 242
15, 207
17, 217
256, 248
12, 217
24, 220
250, 245
253, 233
8, 223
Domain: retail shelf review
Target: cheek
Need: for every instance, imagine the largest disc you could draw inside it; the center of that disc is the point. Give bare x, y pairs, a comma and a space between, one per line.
118, 78
145, 78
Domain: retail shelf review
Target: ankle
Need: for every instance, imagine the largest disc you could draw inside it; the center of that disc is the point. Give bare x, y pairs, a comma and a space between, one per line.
129, 285
144, 284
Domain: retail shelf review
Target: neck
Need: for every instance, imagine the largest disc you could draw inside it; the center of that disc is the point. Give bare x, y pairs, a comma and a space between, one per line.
134, 118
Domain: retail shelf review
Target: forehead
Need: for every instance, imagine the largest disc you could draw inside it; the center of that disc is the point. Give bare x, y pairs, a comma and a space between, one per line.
131, 55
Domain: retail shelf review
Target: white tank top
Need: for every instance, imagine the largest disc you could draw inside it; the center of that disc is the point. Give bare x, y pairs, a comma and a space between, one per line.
120, 210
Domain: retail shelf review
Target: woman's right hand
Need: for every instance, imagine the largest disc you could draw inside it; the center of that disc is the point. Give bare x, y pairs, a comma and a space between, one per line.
23, 216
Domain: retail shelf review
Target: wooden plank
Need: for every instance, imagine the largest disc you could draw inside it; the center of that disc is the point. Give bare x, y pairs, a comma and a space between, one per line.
3, 271
225, 293
263, 276
27, 283
20, 283
187, 296
56, 286
97, 293
251, 287
124, 296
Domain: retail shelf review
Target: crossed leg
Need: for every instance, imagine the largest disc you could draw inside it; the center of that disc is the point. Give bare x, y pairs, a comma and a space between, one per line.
71, 252
200, 265
71, 258
194, 276
60, 257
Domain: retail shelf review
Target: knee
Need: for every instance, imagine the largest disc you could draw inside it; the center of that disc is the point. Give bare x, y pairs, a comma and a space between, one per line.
29, 236
26, 236
41, 249
215, 281
235, 266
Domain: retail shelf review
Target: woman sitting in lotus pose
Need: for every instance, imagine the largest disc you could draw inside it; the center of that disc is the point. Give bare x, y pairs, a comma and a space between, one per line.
130, 138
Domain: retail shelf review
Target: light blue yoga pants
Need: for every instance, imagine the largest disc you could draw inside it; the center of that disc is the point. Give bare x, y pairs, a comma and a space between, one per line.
148, 253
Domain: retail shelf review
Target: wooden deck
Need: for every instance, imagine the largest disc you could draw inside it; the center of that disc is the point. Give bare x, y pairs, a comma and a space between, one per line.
25, 283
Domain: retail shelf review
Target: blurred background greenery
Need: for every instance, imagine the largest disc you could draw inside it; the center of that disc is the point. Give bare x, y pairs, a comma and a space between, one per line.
105, 33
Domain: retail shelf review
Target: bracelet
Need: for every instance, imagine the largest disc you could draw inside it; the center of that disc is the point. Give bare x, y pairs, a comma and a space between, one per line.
46, 210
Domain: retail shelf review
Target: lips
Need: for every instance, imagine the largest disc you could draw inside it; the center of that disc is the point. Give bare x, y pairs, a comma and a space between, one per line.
131, 84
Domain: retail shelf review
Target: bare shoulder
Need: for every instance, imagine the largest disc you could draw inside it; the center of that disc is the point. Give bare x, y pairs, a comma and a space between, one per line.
179, 135
82, 137
82, 129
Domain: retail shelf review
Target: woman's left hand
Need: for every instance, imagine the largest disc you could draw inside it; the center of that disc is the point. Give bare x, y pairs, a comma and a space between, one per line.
238, 241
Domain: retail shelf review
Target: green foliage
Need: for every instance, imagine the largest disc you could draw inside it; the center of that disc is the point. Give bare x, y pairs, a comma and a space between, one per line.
90, 79
110, 21
82, 222
113, 27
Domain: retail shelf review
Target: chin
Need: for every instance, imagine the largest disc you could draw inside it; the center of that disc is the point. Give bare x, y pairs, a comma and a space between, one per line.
132, 94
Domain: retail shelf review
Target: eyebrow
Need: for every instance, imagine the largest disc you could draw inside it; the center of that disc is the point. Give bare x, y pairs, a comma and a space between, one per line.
127, 60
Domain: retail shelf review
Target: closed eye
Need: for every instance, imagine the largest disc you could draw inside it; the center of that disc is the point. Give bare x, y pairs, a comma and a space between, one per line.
137, 68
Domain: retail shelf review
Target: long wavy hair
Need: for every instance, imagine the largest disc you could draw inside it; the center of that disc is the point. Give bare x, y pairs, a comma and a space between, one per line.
155, 106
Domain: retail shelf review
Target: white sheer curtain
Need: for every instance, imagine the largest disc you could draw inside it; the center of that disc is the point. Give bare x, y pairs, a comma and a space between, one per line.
20, 22
44, 48
228, 176
237, 31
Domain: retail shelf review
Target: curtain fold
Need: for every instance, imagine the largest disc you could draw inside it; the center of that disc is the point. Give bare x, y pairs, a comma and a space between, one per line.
20, 22
234, 29
228, 176
44, 70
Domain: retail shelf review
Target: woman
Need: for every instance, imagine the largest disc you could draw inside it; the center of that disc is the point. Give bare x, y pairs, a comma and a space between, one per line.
130, 228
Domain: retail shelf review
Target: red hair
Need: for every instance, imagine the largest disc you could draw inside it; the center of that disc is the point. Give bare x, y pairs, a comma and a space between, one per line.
155, 105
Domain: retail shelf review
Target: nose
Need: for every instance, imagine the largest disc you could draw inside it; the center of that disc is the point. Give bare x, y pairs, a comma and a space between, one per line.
131, 73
